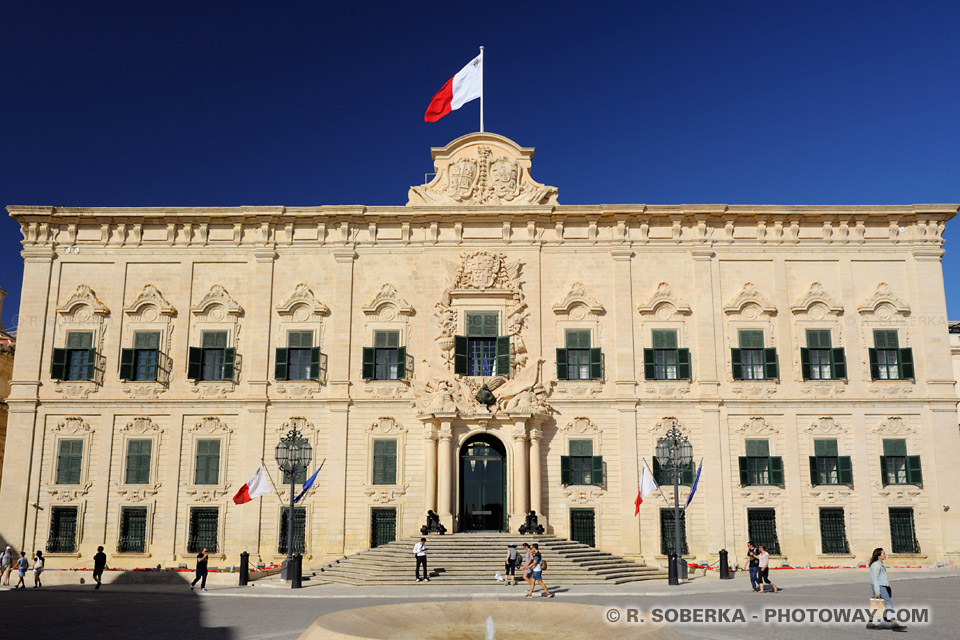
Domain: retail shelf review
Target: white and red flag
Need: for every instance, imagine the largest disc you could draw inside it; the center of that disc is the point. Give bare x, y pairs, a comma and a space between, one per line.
467, 85
256, 487
647, 486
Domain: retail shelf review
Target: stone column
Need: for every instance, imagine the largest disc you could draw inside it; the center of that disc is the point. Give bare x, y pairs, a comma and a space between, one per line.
536, 480
430, 470
520, 473
445, 474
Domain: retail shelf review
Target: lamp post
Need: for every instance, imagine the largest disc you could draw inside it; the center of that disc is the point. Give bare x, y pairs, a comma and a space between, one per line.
293, 455
674, 453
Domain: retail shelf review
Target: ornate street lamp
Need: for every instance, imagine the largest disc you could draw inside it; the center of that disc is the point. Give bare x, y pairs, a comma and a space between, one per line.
294, 454
674, 454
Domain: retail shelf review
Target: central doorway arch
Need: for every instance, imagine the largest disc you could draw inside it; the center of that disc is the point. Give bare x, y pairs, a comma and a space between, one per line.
483, 484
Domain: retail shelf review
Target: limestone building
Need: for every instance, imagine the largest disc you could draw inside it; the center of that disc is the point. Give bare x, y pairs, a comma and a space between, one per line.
802, 349
8, 345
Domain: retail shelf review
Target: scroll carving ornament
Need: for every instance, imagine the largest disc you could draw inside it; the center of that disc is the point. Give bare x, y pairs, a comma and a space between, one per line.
388, 297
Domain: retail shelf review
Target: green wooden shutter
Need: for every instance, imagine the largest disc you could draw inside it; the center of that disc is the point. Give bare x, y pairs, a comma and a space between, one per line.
282, 368
775, 469
884, 476
874, 364
195, 363
503, 356
814, 475
58, 365
845, 470
838, 364
688, 474
737, 364
91, 364
894, 447
126, 364
315, 358
649, 367
683, 364
906, 364
229, 363
561, 364
369, 363
885, 339
401, 363
914, 473
825, 447
596, 470
460, 355
596, 364
564, 469
744, 475
771, 368
805, 362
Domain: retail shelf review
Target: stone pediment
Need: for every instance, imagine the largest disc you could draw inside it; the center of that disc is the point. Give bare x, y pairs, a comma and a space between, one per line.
482, 169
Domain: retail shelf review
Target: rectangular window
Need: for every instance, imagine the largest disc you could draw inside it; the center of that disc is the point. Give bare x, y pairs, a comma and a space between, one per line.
903, 534
818, 346
827, 467
833, 531
214, 355
578, 354
81, 356
762, 529
385, 461
133, 530
581, 461
887, 345
63, 530
896, 466
664, 476
665, 354
146, 355
751, 355
69, 461
204, 529
481, 352
386, 356
299, 530
758, 458
138, 461
208, 462
299, 351
668, 539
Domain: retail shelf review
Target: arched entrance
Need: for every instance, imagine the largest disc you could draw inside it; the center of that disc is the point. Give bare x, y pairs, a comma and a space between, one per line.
483, 484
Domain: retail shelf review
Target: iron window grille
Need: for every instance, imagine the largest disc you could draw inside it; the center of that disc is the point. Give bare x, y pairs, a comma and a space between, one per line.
133, 530
204, 529
762, 529
63, 530
833, 531
903, 533
299, 530
667, 532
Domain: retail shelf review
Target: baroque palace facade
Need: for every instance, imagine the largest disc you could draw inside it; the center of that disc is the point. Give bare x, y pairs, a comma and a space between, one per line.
164, 351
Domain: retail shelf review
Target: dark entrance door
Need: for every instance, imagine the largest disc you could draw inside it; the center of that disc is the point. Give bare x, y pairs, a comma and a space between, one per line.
483, 485
582, 526
383, 526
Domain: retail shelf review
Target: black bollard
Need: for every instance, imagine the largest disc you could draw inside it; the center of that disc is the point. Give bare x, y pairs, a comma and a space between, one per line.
725, 573
672, 569
296, 581
244, 568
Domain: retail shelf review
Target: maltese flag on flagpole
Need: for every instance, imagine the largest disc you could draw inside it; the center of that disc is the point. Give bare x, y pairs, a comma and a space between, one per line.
465, 86
647, 486
256, 487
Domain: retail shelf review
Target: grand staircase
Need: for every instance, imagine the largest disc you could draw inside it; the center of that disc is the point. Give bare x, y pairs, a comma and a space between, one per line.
473, 559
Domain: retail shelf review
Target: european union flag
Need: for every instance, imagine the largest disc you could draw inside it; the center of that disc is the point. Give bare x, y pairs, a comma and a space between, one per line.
307, 485
694, 489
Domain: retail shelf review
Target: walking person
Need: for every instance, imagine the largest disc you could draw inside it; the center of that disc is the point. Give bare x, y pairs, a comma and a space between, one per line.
420, 551
510, 566
38, 563
22, 565
536, 573
6, 564
753, 564
99, 564
880, 588
764, 560
201, 577
527, 565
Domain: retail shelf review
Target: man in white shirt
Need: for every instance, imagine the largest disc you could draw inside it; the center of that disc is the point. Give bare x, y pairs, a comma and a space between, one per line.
6, 564
420, 551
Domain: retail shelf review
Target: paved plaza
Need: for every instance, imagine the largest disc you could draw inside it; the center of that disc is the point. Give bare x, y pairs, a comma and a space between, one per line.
270, 611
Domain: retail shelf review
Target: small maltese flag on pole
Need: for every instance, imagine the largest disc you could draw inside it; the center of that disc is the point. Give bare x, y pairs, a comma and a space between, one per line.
256, 487
647, 486
465, 86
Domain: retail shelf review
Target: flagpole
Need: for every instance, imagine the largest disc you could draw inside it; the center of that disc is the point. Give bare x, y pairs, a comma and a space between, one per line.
481, 89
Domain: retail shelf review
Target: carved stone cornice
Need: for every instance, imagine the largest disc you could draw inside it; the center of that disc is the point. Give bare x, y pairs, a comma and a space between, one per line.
749, 296
578, 298
883, 296
663, 296
302, 297
151, 296
388, 297
814, 295
84, 295
218, 295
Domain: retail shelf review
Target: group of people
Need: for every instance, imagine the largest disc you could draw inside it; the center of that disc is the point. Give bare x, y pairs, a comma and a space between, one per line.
531, 569
759, 565
23, 565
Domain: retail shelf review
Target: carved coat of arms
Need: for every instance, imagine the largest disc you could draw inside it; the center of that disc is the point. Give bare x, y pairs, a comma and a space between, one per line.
505, 175
460, 178
480, 270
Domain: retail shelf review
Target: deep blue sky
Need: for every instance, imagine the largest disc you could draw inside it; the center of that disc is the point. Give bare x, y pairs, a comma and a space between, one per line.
308, 103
